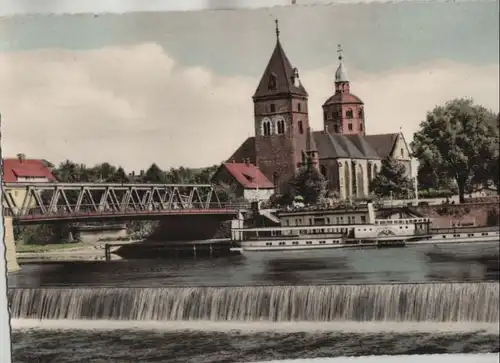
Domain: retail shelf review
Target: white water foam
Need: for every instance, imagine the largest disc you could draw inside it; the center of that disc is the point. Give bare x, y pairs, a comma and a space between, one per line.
442, 302
262, 326
434, 358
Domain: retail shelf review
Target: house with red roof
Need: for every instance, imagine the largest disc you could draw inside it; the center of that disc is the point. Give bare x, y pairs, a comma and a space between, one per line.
23, 170
245, 179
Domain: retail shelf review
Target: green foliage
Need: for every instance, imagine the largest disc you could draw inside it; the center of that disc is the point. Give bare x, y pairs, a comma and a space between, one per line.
71, 172
154, 175
459, 141
392, 180
309, 184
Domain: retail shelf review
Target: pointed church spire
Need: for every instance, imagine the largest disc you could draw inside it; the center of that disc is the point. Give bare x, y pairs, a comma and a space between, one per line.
280, 77
340, 74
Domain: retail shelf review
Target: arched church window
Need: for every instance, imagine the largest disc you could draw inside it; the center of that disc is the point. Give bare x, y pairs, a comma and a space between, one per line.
266, 127
349, 113
280, 126
273, 82
360, 113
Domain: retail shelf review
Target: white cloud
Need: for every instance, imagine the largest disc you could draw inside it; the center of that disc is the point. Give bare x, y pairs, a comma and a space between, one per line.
135, 105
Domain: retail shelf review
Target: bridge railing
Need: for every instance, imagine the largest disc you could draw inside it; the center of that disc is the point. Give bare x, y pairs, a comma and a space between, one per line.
89, 210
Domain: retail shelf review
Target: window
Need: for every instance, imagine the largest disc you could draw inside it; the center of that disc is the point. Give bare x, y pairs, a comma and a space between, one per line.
323, 170
336, 128
280, 127
402, 152
363, 219
349, 113
360, 113
299, 107
276, 182
272, 107
324, 115
273, 81
360, 126
301, 127
349, 126
266, 128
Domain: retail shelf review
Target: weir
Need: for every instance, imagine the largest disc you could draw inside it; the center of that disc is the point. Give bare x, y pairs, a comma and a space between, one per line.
438, 302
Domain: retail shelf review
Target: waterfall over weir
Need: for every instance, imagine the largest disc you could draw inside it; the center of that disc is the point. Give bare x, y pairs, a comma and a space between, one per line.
443, 302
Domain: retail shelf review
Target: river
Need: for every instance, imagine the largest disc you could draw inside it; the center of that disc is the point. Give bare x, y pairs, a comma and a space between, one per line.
260, 306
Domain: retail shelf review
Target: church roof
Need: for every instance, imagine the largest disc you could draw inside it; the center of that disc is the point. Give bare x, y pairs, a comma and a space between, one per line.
343, 98
353, 146
382, 143
279, 68
244, 152
341, 74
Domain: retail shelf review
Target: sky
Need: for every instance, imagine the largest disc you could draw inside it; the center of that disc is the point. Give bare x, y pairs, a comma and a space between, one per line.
175, 88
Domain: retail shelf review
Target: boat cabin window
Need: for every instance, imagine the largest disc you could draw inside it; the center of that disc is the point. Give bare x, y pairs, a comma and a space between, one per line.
319, 221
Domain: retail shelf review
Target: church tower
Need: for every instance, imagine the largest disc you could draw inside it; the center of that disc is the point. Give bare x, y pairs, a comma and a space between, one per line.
281, 119
343, 113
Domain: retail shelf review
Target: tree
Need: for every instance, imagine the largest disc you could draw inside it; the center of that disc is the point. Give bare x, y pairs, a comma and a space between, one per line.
392, 180
309, 183
458, 140
154, 175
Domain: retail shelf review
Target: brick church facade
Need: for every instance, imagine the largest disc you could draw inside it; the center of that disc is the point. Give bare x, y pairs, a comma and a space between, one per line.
348, 158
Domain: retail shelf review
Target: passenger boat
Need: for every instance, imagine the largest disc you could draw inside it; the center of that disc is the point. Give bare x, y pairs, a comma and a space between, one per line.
380, 234
376, 233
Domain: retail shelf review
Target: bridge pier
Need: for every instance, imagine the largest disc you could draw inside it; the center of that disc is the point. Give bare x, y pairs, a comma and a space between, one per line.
10, 245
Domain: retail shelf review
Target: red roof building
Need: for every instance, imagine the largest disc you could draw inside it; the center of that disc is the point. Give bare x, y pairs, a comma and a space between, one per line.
247, 180
22, 170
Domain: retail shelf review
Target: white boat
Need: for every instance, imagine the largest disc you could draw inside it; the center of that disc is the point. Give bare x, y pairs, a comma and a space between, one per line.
325, 237
376, 233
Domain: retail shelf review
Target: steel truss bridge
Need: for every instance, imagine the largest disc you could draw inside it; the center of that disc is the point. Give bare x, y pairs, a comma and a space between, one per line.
39, 202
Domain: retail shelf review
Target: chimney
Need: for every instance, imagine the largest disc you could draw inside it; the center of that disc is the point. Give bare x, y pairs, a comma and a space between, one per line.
21, 157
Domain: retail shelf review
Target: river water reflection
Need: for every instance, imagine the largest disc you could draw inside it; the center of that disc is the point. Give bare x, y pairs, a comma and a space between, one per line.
477, 262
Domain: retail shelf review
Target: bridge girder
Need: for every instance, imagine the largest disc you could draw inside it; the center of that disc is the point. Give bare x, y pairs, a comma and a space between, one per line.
25, 199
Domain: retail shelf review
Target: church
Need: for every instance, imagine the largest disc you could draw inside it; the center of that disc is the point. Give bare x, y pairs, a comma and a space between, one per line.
345, 154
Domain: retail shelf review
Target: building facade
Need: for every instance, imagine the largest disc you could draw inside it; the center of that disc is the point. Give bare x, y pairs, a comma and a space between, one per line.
347, 156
